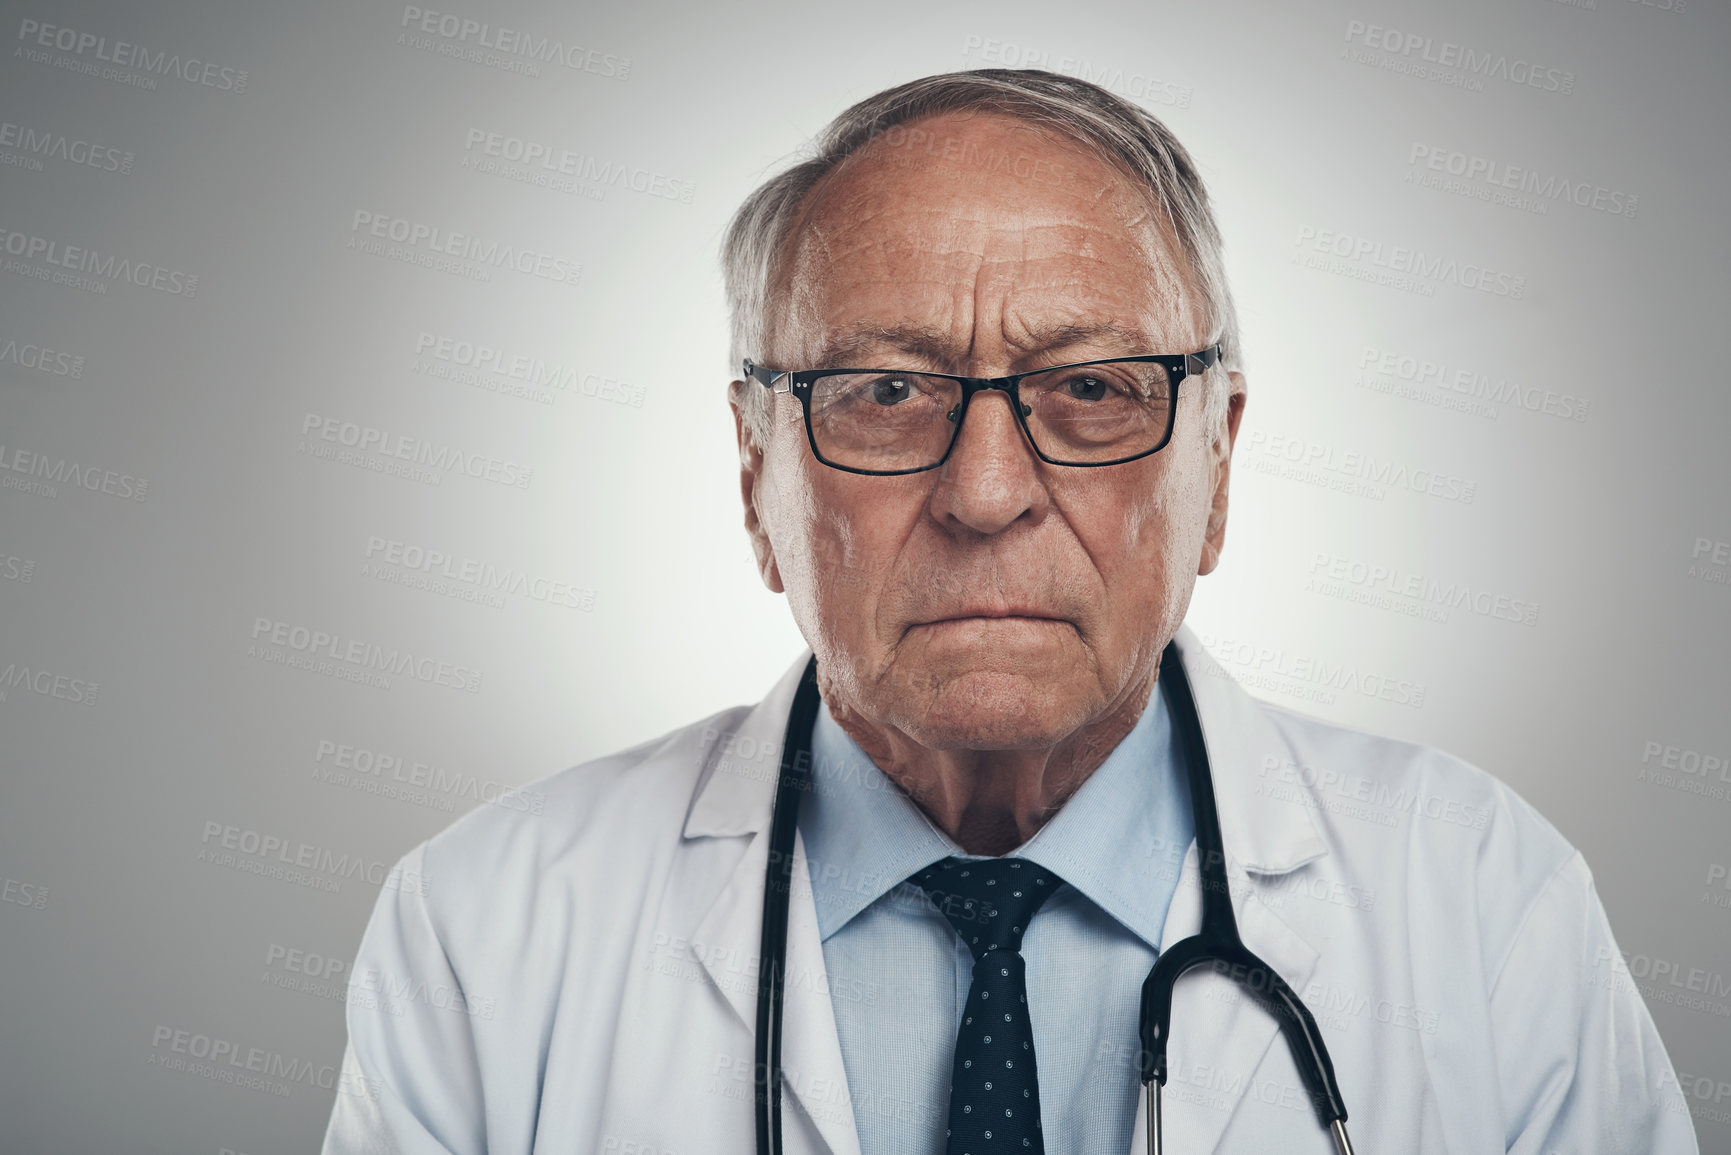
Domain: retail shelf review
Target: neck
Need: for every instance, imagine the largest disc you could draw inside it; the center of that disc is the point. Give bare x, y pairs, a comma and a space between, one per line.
991, 801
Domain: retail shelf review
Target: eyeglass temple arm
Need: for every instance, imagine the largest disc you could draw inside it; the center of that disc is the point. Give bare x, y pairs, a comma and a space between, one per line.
1196, 364
779, 380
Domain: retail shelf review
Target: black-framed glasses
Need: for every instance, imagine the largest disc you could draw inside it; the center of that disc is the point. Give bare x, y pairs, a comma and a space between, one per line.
893, 421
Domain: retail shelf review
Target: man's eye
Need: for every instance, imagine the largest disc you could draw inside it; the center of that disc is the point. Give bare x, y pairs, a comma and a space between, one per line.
1086, 388
892, 390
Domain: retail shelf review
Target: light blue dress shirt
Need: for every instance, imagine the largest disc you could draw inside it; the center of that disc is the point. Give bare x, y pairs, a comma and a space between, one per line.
899, 974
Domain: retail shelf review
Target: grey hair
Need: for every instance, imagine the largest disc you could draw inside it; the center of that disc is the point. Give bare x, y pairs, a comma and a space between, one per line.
1121, 133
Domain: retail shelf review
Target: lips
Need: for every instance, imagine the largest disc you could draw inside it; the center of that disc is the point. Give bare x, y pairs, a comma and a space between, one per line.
995, 612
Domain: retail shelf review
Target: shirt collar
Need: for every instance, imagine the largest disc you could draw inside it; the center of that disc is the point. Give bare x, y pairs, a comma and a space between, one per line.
1119, 840
863, 835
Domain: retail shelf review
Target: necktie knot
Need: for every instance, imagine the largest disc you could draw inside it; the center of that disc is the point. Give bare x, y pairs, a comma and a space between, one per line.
989, 901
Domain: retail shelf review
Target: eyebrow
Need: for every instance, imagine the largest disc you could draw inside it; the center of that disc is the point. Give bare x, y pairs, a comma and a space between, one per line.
865, 339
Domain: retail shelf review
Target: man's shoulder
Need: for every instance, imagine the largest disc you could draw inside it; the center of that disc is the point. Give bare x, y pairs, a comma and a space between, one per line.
617, 807
1425, 780
1366, 795
1443, 819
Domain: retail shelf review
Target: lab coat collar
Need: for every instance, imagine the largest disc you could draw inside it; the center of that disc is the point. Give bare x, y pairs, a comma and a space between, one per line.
1261, 833
1224, 1038
737, 786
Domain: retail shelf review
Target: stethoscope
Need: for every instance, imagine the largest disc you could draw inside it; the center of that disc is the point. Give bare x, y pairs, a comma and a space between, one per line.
1218, 943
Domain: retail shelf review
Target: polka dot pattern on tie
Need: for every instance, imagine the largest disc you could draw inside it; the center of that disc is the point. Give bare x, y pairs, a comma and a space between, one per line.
994, 1083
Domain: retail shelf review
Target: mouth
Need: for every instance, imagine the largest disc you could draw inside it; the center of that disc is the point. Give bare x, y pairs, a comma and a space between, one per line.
1010, 616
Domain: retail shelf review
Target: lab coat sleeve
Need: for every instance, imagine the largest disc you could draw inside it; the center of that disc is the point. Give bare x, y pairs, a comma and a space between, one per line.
1580, 1062
411, 1084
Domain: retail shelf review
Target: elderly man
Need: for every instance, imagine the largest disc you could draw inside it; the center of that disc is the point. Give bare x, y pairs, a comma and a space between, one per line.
987, 398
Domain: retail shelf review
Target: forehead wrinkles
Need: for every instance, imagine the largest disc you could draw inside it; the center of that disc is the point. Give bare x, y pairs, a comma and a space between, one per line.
831, 289
1025, 299
955, 242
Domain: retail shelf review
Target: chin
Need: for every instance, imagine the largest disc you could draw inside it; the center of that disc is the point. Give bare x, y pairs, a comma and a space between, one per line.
989, 710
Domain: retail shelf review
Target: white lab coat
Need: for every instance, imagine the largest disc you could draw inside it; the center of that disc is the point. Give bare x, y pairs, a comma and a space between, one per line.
574, 970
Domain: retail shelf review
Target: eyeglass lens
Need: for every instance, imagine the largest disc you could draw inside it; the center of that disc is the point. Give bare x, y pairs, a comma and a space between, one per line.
888, 420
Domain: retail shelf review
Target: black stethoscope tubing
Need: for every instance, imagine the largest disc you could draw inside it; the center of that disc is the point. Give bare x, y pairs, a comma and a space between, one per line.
1217, 943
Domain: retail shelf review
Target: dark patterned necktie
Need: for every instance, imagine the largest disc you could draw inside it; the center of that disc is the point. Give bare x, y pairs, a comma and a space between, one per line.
994, 1083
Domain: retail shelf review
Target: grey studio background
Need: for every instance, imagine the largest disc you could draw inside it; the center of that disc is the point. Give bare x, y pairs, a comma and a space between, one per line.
364, 456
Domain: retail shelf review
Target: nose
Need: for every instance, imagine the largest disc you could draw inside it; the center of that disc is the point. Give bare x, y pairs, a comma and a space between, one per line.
992, 477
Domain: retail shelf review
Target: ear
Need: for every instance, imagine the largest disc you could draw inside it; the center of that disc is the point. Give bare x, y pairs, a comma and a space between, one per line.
750, 475
1215, 538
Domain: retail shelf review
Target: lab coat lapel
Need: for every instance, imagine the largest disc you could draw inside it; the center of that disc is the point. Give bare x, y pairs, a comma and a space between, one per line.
734, 800
811, 1048
1218, 1037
